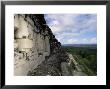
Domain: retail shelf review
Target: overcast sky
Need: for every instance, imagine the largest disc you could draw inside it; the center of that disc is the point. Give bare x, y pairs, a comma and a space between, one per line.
73, 28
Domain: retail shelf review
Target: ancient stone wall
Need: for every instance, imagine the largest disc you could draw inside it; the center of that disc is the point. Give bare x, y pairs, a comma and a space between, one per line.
33, 41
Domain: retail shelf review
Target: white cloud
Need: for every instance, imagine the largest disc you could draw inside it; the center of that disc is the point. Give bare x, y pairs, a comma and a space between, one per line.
85, 40
72, 41
55, 29
60, 22
93, 40
60, 38
89, 41
62, 19
73, 28
82, 41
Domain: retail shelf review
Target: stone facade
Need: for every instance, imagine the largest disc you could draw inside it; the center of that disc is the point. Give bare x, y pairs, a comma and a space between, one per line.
33, 41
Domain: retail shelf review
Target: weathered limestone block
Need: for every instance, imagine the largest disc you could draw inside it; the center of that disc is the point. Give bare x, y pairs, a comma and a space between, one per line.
31, 33
16, 21
47, 46
40, 42
22, 68
15, 44
33, 55
29, 20
31, 43
65, 69
24, 45
22, 29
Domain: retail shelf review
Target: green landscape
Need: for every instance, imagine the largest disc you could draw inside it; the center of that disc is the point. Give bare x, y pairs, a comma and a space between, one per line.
86, 57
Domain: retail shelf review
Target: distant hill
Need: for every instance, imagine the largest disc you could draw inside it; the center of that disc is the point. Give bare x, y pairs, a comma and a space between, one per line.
80, 45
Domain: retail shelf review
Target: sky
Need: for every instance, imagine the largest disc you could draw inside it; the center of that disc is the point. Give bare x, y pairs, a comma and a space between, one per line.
73, 28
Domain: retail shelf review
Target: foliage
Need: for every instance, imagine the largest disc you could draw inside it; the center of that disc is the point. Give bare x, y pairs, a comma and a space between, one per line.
86, 57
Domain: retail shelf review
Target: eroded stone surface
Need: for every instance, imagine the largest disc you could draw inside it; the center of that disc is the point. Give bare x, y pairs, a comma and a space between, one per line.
33, 42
